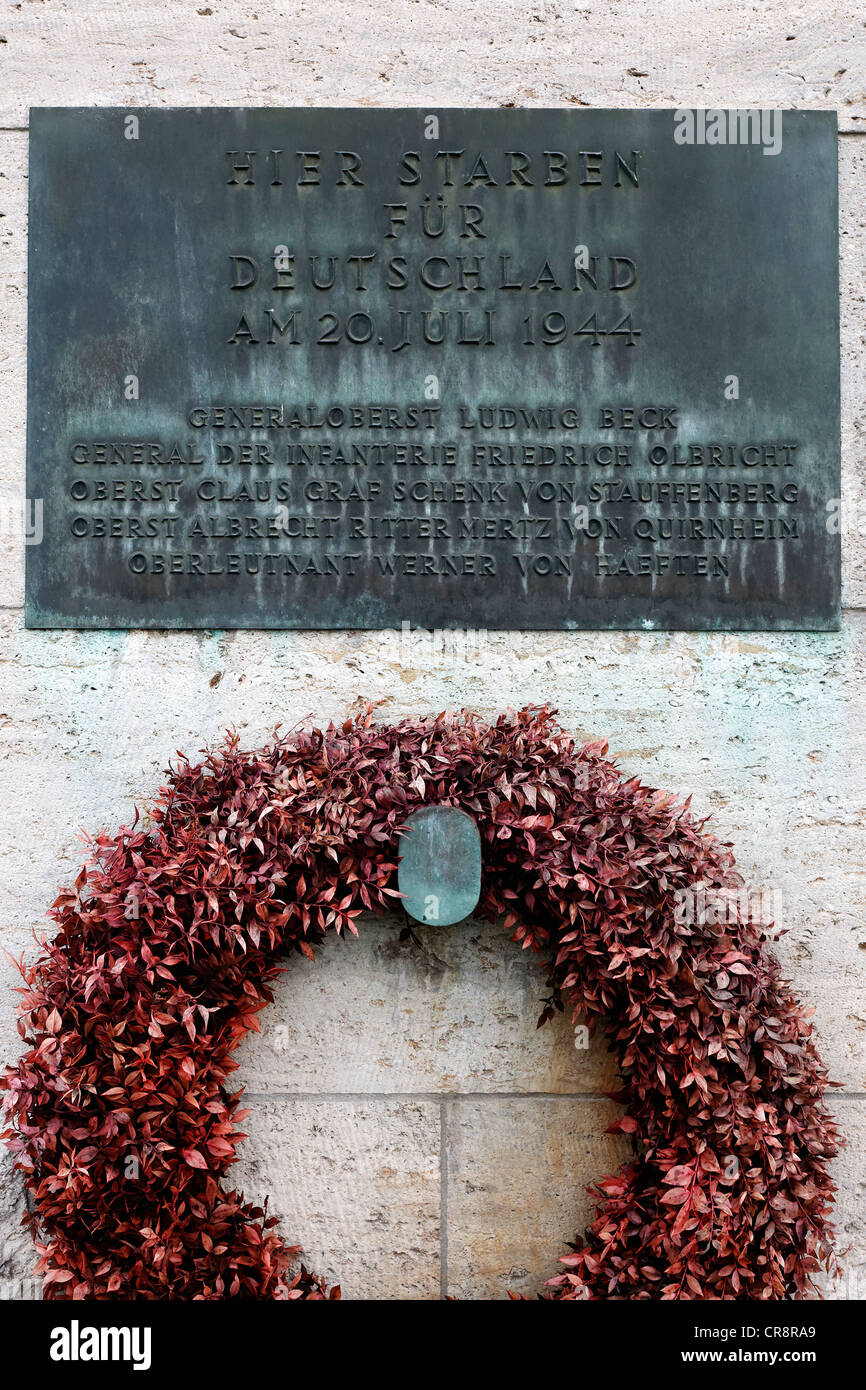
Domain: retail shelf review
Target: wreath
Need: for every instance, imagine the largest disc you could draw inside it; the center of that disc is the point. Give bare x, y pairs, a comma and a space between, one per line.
120, 1112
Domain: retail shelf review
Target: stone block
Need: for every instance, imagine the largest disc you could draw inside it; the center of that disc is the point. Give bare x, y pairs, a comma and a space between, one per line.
456, 1013
356, 1184
517, 1173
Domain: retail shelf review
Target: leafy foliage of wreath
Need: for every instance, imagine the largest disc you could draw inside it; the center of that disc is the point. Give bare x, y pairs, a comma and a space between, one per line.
120, 1114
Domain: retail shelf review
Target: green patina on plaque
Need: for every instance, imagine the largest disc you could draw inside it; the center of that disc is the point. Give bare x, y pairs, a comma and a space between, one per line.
452, 369
440, 865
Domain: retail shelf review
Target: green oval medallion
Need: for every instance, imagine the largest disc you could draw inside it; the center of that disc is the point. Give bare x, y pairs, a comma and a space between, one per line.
440, 867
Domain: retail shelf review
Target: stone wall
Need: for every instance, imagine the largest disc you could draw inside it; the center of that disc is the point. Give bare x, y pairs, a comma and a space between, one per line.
403, 1105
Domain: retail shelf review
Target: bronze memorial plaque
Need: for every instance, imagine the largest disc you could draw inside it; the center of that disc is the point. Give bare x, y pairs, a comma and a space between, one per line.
451, 368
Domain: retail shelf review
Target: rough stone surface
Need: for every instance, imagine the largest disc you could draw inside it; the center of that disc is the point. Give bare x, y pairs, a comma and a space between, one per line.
352, 1125
17, 1280
850, 1202
450, 53
456, 1013
497, 1238
357, 1184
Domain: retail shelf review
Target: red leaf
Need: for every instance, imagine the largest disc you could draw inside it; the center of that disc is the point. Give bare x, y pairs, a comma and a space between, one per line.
194, 1158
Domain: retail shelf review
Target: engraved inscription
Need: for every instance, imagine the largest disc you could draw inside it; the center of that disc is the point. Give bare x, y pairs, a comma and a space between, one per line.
354, 369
